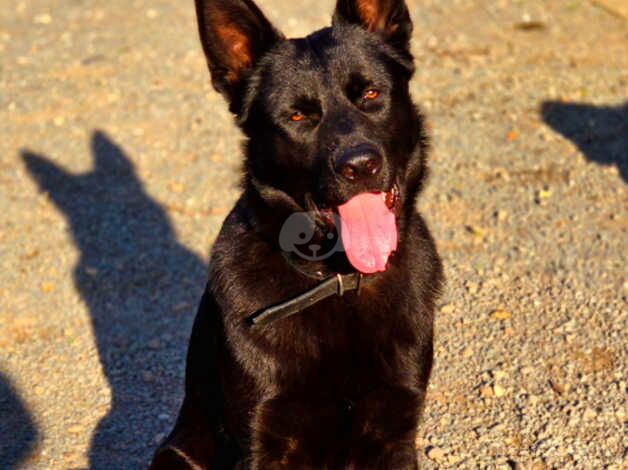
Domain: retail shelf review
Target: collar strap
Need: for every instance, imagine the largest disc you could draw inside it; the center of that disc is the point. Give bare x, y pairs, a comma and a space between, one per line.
335, 285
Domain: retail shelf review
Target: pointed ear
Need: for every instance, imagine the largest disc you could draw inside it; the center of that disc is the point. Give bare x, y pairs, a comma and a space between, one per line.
109, 158
46, 173
234, 35
389, 18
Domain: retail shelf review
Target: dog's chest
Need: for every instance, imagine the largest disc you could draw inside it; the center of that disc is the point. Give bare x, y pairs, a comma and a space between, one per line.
347, 346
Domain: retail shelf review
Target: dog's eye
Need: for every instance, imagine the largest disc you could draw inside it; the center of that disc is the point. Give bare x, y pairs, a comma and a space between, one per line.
297, 116
370, 94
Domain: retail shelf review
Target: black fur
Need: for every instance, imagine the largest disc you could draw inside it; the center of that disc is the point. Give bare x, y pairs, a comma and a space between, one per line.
341, 385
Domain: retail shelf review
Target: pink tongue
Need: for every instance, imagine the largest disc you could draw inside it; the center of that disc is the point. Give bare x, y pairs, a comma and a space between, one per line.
369, 232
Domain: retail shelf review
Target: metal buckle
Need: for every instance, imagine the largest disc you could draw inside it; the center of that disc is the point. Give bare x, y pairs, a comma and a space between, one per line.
341, 287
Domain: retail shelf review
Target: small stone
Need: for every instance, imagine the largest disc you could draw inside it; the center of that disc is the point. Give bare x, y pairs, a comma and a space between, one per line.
500, 314
436, 454
182, 306
175, 187
58, 121
467, 352
589, 414
92, 272
558, 387
75, 429
486, 392
147, 376
447, 309
47, 287
453, 459
152, 14
158, 438
543, 194
472, 287
512, 135
43, 18
498, 390
501, 215
420, 442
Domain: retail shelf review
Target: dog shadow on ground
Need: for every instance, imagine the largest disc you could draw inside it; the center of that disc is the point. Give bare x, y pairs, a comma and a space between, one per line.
16, 422
600, 132
141, 287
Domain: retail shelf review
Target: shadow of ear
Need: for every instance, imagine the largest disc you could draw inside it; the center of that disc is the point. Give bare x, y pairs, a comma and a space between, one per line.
47, 175
599, 132
109, 158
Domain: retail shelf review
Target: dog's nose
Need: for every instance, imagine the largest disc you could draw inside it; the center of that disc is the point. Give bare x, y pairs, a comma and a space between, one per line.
358, 163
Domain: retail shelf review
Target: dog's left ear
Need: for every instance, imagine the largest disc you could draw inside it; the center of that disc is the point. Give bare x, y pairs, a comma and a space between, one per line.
388, 18
234, 35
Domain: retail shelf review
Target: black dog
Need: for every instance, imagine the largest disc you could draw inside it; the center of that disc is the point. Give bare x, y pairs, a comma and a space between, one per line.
335, 378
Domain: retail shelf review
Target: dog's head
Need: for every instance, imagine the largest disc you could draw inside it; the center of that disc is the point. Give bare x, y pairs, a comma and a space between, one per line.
328, 118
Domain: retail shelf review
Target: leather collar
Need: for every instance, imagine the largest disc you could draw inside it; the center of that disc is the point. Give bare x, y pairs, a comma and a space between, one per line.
334, 285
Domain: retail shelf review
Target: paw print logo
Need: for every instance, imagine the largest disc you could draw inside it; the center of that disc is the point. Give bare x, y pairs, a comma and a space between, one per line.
302, 236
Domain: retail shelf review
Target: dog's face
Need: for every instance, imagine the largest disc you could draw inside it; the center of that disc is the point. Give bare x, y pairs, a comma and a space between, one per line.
328, 117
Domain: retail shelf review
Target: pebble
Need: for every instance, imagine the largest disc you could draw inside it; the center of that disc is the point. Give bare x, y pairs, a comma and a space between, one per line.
42, 18
589, 414
76, 429
486, 392
47, 287
467, 352
147, 376
500, 314
436, 454
176, 187
447, 309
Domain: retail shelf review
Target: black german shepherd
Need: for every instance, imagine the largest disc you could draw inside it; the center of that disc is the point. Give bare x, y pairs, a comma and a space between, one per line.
307, 353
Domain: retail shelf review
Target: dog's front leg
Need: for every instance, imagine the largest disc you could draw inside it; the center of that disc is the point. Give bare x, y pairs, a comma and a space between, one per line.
383, 430
299, 432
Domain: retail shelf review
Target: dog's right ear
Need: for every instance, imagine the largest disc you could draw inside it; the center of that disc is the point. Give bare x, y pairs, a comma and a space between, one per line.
234, 35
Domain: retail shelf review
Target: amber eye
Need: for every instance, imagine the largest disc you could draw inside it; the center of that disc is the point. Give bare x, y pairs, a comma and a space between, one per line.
370, 94
297, 116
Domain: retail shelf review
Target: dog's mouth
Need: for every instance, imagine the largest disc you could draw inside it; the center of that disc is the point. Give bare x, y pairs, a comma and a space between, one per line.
368, 226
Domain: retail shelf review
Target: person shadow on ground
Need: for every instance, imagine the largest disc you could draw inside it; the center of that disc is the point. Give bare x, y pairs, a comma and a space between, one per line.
18, 431
600, 132
141, 287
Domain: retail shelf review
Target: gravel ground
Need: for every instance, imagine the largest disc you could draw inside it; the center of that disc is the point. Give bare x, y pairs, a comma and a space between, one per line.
118, 163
